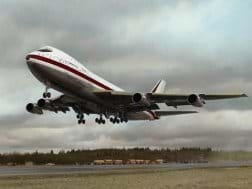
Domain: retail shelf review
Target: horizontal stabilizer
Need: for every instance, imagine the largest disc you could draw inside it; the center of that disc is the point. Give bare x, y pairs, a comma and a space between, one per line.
168, 113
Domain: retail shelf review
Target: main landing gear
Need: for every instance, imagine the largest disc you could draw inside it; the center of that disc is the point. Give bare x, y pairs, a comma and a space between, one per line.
80, 118
100, 120
114, 120
117, 120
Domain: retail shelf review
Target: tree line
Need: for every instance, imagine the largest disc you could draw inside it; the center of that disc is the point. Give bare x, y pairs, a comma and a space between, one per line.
88, 156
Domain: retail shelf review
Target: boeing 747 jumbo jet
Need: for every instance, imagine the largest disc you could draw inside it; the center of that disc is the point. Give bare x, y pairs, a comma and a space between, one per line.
87, 93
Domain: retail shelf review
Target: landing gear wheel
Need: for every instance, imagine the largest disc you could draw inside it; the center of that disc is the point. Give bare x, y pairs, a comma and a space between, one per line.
96, 120
111, 119
124, 120
116, 120
100, 120
48, 95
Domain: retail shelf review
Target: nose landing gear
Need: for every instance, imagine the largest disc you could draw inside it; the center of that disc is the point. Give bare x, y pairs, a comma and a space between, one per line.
46, 94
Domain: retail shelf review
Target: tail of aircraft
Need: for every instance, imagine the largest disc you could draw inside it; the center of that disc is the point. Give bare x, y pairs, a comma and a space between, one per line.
159, 87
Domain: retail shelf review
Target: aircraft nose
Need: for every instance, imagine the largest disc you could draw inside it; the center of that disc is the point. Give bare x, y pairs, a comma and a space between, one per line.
27, 57
30, 54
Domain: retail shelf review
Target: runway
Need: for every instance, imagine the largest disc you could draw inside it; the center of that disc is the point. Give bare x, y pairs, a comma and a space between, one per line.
71, 169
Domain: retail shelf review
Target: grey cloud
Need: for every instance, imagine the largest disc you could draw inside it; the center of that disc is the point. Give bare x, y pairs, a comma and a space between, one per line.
10, 121
219, 130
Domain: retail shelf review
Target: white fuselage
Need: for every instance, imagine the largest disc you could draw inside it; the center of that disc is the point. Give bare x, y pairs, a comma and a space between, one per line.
63, 73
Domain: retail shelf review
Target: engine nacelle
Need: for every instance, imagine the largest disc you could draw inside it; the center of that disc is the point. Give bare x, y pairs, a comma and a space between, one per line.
45, 104
33, 108
140, 99
195, 100
41, 102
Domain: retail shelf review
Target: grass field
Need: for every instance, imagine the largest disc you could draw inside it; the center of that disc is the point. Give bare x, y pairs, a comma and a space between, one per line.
159, 179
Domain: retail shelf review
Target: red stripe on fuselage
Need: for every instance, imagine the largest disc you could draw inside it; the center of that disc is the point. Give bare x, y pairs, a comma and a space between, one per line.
68, 68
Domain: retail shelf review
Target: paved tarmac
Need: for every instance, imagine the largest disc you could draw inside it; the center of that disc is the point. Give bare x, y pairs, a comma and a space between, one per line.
71, 169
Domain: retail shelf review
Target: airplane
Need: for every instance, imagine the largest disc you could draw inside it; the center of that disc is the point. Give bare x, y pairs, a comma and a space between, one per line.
87, 93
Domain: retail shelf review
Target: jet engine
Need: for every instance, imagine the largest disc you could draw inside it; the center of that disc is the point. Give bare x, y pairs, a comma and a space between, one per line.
140, 99
41, 102
46, 105
195, 100
33, 108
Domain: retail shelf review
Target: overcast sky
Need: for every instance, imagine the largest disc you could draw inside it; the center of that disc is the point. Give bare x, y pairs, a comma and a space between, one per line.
196, 46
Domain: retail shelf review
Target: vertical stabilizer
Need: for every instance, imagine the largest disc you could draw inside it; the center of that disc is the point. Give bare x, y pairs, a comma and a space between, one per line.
159, 87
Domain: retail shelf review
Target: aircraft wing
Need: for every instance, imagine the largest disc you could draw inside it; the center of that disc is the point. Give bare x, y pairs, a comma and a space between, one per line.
169, 113
115, 97
179, 100
125, 98
221, 96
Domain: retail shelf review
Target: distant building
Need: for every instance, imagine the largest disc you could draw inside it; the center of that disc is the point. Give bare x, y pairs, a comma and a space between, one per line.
131, 161
29, 163
99, 162
108, 161
10, 164
159, 161
50, 164
118, 162
139, 161
147, 161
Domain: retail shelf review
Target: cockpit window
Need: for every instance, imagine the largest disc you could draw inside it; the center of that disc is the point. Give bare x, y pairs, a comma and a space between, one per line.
45, 50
